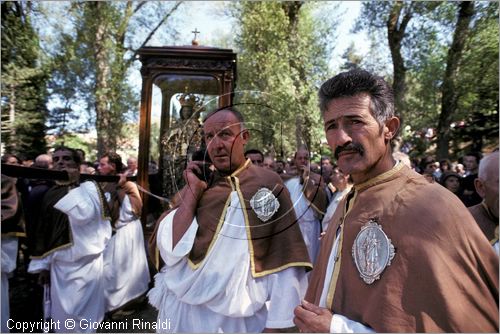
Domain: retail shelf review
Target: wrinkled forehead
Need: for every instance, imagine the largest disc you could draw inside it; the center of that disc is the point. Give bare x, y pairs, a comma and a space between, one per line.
221, 121
302, 154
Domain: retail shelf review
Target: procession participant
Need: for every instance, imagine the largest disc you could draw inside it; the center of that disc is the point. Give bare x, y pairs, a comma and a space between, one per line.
486, 212
402, 254
256, 156
342, 184
72, 233
126, 273
235, 260
12, 229
308, 194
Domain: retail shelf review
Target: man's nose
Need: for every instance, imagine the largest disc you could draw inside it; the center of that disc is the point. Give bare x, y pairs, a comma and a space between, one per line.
217, 142
342, 136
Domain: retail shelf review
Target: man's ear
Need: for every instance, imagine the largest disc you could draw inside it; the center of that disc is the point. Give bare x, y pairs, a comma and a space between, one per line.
479, 185
245, 135
391, 128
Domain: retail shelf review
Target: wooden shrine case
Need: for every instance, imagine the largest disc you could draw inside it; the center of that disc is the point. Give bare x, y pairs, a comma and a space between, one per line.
180, 84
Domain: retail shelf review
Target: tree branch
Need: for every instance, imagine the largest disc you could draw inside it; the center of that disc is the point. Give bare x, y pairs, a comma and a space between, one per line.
142, 3
173, 9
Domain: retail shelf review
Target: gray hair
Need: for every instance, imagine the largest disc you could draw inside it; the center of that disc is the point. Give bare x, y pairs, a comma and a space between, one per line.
484, 164
355, 82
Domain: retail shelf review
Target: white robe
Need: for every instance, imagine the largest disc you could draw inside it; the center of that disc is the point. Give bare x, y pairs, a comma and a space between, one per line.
339, 323
126, 273
221, 295
9, 258
308, 217
76, 272
332, 206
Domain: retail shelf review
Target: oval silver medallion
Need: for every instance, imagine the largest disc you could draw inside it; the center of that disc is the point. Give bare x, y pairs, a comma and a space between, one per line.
264, 204
372, 251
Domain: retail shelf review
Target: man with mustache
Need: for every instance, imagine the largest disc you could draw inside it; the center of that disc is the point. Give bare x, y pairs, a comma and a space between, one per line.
400, 254
235, 260
308, 193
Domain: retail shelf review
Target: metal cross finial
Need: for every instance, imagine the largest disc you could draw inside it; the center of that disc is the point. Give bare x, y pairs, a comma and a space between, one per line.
195, 32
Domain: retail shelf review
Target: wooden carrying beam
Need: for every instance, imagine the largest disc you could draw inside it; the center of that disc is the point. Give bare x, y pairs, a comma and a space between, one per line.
56, 175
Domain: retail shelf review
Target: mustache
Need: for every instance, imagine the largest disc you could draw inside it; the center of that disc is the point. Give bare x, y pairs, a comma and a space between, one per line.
356, 147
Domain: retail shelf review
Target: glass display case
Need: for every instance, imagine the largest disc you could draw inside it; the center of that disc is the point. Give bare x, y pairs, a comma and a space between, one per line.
179, 86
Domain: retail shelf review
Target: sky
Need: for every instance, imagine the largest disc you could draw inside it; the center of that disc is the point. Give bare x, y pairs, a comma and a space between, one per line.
216, 27
205, 16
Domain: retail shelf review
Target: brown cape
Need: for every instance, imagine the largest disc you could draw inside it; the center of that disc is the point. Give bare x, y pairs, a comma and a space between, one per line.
12, 220
444, 276
275, 244
117, 194
54, 230
314, 190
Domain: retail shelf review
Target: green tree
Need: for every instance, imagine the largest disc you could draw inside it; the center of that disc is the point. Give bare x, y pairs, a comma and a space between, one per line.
282, 55
442, 53
478, 89
403, 24
24, 93
93, 66
450, 81
351, 59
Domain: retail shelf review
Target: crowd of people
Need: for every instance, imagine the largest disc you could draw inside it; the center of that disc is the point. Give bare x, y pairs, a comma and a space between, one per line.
82, 240
367, 240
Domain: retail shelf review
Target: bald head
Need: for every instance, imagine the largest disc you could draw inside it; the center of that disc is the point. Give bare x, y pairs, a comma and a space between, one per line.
43, 161
488, 167
487, 182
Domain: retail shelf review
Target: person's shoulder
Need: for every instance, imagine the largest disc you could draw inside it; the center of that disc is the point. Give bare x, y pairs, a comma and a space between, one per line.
476, 210
265, 175
90, 186
421, 194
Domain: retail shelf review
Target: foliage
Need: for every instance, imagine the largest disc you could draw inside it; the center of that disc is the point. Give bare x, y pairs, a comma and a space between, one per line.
352, 60
91, 70
24, 96
424, 48
479, 89
282, 61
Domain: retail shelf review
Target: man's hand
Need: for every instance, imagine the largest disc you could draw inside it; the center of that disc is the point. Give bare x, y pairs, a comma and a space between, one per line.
304, 172
191, 193
196, 185
310, 318
123, 179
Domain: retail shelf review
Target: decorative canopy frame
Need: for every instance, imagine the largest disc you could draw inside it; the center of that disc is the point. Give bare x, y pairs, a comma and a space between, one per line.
175, 70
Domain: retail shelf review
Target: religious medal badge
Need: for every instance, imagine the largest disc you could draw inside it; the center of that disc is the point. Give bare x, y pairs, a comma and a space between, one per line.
264, 204
372, 251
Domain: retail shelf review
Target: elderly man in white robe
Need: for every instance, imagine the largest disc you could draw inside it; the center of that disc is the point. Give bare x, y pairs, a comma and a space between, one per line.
71, 238
235, 260
309, 198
